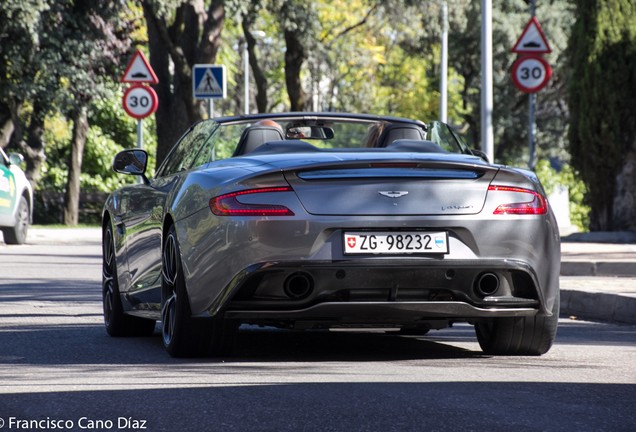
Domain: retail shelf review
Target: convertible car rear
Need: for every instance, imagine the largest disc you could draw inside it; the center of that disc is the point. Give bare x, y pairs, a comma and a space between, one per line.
329, 221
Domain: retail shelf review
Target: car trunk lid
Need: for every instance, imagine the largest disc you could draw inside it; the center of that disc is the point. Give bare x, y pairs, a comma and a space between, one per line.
392, 188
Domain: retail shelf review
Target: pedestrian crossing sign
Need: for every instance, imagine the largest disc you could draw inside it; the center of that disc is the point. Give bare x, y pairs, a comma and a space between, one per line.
209, 82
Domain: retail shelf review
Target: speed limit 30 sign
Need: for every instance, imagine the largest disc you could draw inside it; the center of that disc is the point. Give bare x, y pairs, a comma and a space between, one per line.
140, 101
531, 73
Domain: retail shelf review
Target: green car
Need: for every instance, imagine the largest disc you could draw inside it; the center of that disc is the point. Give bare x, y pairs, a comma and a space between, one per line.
16, 199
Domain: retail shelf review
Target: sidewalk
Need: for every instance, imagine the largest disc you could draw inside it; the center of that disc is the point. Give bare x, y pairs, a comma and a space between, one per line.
598, 276
64, 235
598, 270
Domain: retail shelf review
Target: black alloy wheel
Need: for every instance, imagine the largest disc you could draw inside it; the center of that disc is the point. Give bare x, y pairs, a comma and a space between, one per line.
183, 335
117, 323
169, 272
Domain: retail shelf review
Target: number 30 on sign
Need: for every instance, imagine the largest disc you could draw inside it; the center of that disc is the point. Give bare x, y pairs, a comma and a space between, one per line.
140, 101
531, 73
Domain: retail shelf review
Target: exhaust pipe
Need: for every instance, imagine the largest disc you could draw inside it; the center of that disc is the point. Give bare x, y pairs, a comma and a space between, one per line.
298, 286
487, 284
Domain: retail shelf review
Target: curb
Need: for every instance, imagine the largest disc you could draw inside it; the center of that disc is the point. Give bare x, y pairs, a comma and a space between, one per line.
616, 237
602, 268
602, 306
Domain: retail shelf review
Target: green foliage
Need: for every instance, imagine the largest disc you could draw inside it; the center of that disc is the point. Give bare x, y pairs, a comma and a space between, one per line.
510, 114
568, 177
602, 91
112, 131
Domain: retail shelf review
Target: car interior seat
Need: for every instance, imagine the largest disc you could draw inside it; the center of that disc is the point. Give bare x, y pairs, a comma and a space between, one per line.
254, 136
399, 131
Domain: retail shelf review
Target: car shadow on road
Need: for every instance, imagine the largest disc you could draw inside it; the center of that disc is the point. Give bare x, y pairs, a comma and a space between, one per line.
271, 345
87, 343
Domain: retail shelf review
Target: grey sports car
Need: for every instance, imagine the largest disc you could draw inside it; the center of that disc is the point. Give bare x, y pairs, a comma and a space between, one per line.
328, 221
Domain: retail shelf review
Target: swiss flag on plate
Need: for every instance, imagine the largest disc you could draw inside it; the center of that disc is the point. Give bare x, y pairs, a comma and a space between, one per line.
351, 241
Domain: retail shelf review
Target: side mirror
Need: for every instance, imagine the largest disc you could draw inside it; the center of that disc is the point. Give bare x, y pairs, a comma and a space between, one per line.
15, 158
481, 154
133, 162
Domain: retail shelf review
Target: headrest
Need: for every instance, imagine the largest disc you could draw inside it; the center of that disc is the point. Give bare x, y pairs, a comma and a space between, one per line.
255, 136
398, 132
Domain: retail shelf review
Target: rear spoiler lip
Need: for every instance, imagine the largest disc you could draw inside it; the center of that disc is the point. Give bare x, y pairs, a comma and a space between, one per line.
424, 173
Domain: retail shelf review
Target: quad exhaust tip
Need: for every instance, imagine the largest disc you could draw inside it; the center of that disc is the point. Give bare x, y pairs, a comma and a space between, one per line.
298, 285
487, 284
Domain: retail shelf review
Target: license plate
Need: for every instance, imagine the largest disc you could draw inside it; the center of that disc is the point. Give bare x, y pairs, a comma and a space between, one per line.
395, 242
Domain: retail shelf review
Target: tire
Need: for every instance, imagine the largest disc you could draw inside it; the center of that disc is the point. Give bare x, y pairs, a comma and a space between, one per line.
183, 335
519, 336
117, 323
18, 233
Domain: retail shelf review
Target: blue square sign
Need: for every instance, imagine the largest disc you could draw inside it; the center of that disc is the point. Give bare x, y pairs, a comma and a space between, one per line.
209, 82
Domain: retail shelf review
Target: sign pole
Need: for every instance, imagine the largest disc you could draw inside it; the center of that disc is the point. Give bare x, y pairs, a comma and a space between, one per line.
531, 112
487, 134
140, 141
247, 80
210, 108
140, 134
443, 86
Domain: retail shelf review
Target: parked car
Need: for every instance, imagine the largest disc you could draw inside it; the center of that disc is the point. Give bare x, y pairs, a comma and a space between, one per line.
328, 221
16, 199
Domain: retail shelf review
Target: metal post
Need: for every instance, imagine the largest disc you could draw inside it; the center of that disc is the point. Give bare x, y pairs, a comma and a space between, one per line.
211, 116
531, 114
140, 134
140, 141
443, 83
247, 80
487, 138
531, 130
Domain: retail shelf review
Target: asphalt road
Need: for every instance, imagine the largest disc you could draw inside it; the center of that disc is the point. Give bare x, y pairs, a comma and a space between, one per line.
57, 363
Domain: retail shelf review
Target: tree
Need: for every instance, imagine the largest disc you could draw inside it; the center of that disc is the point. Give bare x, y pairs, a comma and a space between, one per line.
299, 21
603, 125
510, 114
60, 55
248, 19
186, 34
92, 37
27, 72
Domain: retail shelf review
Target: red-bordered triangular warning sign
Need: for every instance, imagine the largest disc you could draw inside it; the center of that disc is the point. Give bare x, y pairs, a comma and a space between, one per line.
139, 70
532, 40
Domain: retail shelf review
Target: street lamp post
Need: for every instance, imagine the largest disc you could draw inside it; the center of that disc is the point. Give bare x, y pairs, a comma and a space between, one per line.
258, 34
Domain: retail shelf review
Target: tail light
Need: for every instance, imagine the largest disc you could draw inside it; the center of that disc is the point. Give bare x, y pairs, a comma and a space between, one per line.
228, 205
536, 206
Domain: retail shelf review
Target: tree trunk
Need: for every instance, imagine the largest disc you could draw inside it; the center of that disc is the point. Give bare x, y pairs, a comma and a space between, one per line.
15, 106
259, 77
6, 125
171, 40
34, 148
295, 56
181, 43
211, 37
71, 197
171, 118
